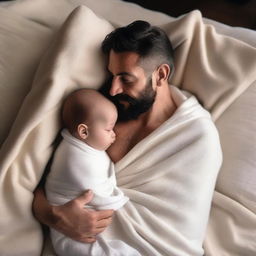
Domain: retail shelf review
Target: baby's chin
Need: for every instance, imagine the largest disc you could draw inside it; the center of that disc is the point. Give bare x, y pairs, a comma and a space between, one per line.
102, 148
108, 146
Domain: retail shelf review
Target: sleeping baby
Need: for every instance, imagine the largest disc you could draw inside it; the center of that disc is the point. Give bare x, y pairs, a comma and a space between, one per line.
81, 163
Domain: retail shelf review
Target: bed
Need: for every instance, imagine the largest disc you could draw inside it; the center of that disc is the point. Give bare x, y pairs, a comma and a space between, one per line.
215, 62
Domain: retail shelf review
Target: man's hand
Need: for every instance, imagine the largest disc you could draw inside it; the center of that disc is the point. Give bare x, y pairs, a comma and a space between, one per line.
72, 219
79, 223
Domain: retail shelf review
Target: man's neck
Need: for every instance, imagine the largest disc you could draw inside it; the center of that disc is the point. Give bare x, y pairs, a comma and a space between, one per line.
162, 109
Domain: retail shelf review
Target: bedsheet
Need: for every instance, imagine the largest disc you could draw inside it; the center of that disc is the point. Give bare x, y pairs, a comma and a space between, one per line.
232, 220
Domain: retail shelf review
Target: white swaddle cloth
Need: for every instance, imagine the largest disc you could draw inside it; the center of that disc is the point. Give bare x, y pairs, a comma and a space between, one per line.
77, 167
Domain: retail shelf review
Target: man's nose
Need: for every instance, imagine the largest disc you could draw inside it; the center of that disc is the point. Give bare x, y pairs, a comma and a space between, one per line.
116, 87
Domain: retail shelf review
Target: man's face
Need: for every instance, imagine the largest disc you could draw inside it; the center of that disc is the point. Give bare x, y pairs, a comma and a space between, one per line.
131, 91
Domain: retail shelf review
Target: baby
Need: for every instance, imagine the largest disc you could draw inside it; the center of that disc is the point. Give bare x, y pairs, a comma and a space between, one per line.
81, 163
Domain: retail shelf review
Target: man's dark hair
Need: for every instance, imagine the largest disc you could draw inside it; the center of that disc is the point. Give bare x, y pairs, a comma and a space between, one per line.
142, 38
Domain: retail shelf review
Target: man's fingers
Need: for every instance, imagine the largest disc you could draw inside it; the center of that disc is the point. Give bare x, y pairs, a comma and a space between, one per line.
103, 223
104, 214
85, 198
88, 240
99, 230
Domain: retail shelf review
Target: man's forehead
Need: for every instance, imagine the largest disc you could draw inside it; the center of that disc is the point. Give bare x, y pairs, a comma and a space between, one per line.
122, 61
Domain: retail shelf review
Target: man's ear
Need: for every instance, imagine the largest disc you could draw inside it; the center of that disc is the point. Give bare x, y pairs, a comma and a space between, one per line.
82, 130
163, 72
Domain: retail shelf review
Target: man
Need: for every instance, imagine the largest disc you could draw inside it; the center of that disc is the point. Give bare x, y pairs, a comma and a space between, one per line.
140, 61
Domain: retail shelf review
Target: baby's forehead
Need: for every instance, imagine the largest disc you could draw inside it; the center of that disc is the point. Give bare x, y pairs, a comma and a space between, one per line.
96, 106
106, 114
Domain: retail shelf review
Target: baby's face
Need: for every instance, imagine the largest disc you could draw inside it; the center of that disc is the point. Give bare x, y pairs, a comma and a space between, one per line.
101, 134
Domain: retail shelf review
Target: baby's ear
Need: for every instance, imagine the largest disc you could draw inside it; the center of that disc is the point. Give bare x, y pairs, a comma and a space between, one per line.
82, 130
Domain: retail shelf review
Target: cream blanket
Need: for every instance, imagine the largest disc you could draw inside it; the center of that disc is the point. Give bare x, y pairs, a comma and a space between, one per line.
71, 63
170, 178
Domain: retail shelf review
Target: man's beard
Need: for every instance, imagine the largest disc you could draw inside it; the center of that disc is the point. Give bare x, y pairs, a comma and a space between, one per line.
137, 106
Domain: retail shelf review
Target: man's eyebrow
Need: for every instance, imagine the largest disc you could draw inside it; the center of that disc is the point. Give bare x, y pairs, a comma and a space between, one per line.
122, 74
125, 74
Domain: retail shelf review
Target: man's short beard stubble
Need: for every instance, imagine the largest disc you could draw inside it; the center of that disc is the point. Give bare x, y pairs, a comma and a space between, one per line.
137, 106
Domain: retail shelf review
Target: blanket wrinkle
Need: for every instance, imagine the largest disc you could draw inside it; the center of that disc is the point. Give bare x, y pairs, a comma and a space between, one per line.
204, 39
222, 231
141, 234
185, 114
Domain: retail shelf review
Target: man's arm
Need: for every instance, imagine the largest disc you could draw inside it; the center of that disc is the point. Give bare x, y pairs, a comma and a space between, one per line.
72, 219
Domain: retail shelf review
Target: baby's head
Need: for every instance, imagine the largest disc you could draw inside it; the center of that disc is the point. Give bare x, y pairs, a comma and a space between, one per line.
90, 117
